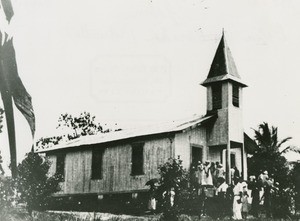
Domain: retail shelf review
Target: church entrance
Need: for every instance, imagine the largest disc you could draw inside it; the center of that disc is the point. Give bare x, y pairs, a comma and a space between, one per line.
197, 155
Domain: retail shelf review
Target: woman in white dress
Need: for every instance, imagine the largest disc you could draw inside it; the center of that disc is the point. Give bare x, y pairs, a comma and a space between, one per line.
237, 202
207, 179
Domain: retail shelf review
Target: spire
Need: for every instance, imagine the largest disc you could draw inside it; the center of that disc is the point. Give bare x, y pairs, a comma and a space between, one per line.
223, 66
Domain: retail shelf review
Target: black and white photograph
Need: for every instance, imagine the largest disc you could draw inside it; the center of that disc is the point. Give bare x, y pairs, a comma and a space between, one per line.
149, 110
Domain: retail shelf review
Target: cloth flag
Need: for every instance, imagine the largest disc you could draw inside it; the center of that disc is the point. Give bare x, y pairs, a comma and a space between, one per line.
10, 82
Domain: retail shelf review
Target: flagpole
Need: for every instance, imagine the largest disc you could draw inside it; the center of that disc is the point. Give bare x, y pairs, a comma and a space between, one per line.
9, 114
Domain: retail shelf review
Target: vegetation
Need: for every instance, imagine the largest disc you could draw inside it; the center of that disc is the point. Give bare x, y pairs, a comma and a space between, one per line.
295, 174
173, 177
82, 125
33, 183
269, 156
6, 194
73, 127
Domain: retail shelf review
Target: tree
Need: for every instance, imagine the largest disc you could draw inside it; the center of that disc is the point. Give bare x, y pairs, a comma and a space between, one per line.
172, 177
33, 183
73, 127
269, 155
82, 125
295, 173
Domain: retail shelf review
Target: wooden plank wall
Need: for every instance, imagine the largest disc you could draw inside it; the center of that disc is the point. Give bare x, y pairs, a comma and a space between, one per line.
185, 140
116, 168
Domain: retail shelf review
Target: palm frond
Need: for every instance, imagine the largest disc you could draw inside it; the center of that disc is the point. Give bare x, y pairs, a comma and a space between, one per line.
265, 135
274, 138
289, 149
283, 141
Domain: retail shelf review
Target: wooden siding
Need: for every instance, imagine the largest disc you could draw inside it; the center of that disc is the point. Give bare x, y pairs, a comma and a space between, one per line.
217, 134
184, 142
116, 167
215, 154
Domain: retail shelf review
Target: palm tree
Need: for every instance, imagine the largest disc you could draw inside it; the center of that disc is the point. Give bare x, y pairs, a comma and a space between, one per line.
269, 154
267, 140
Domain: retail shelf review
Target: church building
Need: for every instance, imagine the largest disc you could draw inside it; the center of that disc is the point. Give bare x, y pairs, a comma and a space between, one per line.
114, 167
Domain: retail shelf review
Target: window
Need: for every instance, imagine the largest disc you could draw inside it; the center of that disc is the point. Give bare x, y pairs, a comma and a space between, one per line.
217, 96
137, 159
235, 95
60, 165
97, 164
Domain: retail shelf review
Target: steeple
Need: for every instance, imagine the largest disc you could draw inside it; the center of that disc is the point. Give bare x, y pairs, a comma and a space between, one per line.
223, 67
225, 100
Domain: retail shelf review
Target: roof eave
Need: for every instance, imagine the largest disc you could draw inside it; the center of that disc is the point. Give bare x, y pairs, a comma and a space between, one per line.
226, 77
78, 143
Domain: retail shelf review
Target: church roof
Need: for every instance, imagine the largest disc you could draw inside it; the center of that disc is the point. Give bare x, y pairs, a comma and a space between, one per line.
172, 127
223, 66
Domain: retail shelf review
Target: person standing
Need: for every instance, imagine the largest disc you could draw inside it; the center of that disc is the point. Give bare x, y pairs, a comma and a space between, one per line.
221, 193
169, 197
152, 198
245, 203
255, 186
207, 178
206, 184
268, 192
199, 176
237, 200
220, 174
213, 171
236, 175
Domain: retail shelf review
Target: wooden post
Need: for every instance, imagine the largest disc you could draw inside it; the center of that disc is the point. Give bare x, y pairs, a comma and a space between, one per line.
9, 114
228, 175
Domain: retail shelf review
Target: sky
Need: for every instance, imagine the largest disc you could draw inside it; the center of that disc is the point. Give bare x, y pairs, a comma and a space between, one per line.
139, 62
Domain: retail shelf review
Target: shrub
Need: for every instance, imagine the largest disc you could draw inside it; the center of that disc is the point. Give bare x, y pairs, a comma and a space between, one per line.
6, 194
33, 184
173, 177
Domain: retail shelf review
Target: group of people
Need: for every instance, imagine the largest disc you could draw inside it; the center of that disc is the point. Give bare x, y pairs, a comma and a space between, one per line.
214, 192
221, 199
263, 188
224, 199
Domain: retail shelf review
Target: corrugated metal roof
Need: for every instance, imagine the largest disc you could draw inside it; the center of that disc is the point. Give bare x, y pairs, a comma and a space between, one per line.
223, 66
130, 133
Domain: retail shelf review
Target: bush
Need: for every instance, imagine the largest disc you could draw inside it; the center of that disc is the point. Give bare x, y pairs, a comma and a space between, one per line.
173, 180
6, 194
33, 184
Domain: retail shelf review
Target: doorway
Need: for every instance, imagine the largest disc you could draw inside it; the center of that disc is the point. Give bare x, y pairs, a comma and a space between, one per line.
197, 155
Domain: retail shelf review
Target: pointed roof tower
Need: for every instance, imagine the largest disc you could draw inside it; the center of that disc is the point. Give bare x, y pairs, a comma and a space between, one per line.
223, 67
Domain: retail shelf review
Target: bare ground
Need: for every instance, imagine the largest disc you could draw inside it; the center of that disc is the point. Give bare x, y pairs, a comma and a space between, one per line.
21, 215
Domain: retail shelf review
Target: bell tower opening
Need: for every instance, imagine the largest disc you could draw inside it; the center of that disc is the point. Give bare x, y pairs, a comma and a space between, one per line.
235, 95
216, 96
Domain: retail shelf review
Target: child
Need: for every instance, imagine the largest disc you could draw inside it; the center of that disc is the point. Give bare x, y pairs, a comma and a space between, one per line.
245, 203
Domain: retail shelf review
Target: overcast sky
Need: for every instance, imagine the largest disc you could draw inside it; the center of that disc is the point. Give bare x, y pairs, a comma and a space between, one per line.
138, 62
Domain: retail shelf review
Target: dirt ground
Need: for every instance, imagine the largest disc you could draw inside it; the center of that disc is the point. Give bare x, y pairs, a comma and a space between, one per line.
16, 215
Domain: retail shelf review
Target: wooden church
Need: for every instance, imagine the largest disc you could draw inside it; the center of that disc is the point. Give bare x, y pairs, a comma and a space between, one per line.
114, 167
